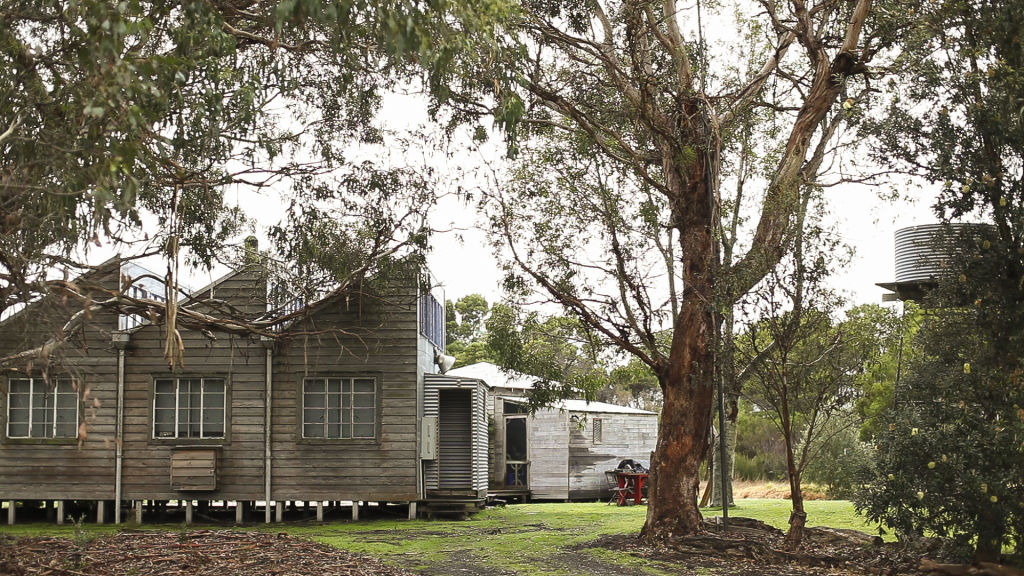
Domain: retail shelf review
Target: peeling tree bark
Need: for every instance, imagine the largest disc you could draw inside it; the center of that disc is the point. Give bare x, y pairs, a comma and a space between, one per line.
687, 375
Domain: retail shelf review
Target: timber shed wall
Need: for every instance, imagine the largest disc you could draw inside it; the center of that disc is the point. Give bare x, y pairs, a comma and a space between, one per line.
239, 360
623, 436
547, 432
355, 335
379, 340
70, 468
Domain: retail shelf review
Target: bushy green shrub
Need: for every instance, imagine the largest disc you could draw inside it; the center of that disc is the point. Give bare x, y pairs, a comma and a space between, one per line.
841, 461
759, 467
949, 457
760, 450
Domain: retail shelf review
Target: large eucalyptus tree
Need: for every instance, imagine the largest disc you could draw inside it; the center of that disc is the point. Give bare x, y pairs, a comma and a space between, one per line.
633, 108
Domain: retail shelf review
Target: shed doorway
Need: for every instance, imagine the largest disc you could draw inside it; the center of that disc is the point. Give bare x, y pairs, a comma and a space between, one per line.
516, 452
455, 427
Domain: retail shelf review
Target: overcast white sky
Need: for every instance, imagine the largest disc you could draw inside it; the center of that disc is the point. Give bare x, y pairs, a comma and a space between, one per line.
463, 262
865, 222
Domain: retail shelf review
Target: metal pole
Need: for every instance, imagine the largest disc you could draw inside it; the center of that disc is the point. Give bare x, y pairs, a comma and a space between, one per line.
716, 334
267, 421
119, 454
120, 341
721, 443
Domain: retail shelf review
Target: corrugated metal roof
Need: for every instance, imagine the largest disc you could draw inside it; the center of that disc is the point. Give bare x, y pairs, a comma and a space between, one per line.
498, 378
925, 253
584, 406
494, 376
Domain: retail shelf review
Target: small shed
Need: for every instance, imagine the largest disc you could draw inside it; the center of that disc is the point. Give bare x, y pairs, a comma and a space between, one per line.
561, 452
453, 448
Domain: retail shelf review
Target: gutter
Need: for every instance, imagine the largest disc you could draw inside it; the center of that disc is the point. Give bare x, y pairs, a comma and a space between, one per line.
267, 423
120, 341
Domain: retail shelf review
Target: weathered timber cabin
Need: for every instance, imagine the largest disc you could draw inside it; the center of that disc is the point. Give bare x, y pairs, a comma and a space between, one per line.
562, 452
339, 406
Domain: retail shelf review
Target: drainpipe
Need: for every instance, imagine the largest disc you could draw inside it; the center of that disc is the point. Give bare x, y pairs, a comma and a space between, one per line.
268, 343
120, 341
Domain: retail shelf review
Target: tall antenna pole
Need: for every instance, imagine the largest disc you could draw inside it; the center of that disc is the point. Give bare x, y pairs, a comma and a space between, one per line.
710, 152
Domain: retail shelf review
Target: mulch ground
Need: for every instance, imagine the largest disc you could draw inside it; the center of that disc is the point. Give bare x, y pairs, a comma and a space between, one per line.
194, 553
752, 548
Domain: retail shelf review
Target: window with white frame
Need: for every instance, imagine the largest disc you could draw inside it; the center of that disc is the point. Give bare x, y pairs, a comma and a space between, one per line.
40, 409
188, 408
344, 408
598, 427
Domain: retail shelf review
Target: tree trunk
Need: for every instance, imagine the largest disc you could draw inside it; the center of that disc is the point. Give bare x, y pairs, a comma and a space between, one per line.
687, 378
798, 517
682, 436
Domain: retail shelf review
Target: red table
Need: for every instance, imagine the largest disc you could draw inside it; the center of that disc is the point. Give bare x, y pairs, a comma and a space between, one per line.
633, 484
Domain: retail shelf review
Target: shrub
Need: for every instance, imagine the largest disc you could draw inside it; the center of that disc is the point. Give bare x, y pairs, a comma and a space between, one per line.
949, 457
842, 460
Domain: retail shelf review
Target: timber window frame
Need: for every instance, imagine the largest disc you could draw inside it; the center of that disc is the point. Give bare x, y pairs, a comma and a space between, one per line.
35, 411
191, 408
343, 408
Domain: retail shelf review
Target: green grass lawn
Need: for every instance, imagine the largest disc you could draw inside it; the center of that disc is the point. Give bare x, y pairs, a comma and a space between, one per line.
526, 538
529, 539
831, 513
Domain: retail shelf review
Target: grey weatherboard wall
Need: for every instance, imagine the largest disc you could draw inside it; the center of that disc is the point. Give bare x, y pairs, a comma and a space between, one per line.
374, 335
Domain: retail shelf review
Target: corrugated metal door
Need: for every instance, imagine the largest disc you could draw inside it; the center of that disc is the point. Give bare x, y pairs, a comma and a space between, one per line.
455, 439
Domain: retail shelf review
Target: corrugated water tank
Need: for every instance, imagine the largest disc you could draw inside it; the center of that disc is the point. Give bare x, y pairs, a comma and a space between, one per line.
924, 253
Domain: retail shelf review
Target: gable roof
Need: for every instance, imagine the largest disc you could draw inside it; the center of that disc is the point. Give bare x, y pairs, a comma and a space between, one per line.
90, 273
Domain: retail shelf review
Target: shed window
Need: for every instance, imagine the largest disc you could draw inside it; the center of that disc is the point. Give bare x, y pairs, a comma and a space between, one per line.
432, 320
35, 409
339, 408
188, 408
598, 427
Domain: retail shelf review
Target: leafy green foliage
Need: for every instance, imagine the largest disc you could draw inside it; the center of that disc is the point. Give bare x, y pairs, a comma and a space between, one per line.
632, 384
950, 458
466, 329
842, 458
354, 229
466, 317
563, 353
760, 449
950, 454
895, 348
114, 111
956, 117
